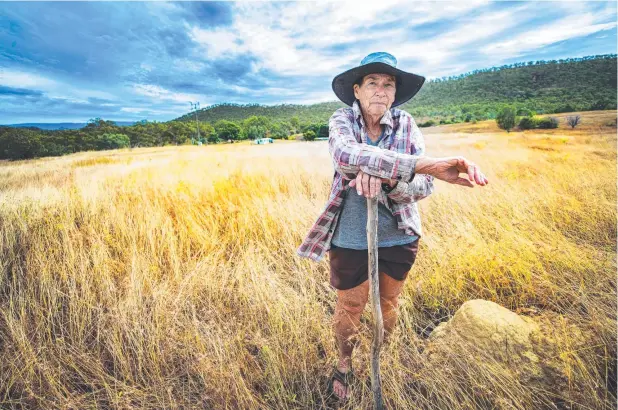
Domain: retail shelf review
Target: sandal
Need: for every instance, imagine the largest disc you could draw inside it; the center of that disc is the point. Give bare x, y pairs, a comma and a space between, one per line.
344, 378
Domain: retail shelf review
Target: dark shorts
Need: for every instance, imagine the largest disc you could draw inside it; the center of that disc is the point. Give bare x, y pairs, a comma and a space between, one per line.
350, 267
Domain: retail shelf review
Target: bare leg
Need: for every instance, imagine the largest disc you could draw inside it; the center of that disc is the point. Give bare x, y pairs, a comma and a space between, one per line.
346, 321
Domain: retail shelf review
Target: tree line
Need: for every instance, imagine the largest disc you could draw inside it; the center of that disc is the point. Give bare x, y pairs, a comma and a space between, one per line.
542, 87
99, 134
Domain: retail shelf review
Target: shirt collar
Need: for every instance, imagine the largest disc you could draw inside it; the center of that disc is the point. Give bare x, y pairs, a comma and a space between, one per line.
387, 118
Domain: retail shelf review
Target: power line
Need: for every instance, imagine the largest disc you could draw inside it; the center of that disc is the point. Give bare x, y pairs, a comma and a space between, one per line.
196, 107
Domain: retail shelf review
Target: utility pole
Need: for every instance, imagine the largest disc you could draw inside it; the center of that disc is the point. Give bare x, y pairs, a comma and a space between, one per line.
196, 107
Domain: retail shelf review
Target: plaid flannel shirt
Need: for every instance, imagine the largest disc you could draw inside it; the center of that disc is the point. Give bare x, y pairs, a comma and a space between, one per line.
395, 157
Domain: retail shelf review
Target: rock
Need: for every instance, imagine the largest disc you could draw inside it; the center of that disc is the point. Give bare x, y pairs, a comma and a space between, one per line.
487, 328
493, 352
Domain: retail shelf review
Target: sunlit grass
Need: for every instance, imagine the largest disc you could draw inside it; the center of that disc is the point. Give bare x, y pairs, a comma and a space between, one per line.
167, 277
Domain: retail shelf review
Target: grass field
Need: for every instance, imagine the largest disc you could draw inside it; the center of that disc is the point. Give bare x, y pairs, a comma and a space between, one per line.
168, 278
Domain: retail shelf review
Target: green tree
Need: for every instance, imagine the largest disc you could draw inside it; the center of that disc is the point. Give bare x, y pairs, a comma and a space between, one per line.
113, 141
255, 132
295, 124
227, 130
322, 130
255, 127
177, 132
208, 132
100, 126
20, 143
280, 129
506, 118
309, 135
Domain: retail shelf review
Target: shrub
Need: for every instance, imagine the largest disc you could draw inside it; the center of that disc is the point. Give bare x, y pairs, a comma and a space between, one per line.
429, 123
309, 135
506, 119
573, 120
527, 123
547, 123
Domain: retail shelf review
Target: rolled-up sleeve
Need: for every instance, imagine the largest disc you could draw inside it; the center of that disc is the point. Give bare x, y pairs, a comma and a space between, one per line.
349, 156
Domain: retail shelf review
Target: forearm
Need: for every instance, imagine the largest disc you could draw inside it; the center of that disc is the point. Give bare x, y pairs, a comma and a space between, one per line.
420, 188
382, 163
421, 185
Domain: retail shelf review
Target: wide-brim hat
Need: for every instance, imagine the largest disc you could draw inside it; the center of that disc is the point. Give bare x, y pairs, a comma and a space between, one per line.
408, 84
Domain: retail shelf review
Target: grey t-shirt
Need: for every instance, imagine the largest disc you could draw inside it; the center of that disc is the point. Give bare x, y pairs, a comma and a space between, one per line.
351, 230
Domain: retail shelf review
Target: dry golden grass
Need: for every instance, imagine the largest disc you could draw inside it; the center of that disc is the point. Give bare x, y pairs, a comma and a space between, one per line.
167, 277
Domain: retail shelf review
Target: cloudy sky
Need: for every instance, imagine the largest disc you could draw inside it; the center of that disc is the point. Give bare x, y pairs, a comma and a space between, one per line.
69, 61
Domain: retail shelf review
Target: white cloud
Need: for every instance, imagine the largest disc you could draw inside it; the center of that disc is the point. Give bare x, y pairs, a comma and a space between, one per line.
161, 94
52, 88
437, 51
132, 109
289, 38
149, 111
297, 41
25, 80
538, 37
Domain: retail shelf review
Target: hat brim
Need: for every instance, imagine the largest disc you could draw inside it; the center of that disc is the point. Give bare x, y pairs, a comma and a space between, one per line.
408, 84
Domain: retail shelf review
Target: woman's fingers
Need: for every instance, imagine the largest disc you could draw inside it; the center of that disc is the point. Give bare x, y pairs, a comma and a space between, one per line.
369, 185
377, 186
464, 182
470, 170
366, 184
473, 171
477, 175
359, 183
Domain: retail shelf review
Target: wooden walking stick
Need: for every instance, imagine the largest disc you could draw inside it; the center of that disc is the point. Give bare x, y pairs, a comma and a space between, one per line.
374, 290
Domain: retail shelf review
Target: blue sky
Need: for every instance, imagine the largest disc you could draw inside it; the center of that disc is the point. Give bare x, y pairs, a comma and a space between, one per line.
69, 61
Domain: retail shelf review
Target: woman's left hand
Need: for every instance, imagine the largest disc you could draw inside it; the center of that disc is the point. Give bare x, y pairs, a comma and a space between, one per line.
369, 185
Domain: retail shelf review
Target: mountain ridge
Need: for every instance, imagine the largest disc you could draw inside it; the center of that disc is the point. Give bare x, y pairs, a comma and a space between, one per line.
543, 86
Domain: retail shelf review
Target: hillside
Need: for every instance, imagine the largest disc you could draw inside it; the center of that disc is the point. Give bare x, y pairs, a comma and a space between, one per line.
575, 84
238, 112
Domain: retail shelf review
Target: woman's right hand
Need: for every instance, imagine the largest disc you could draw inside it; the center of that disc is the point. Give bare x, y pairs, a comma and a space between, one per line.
448, 169
367, 185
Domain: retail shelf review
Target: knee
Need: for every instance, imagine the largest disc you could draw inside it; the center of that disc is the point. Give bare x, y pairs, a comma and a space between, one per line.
389, 302
353, 301
389, 291
353, 306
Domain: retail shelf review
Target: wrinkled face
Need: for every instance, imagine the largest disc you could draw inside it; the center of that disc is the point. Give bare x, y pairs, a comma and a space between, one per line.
376, 93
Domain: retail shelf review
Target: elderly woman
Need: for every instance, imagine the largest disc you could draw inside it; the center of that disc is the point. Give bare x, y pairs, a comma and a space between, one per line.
379, 151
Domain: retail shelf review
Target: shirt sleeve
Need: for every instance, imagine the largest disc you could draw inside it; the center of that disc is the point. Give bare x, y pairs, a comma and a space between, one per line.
349, 156
421, 185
